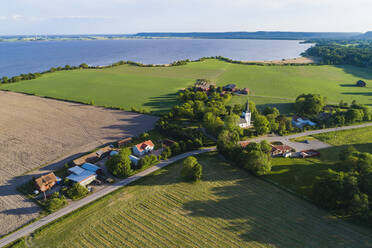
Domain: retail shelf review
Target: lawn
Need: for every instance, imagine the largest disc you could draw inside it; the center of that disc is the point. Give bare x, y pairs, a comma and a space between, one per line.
228, 208
299, 175
155, 89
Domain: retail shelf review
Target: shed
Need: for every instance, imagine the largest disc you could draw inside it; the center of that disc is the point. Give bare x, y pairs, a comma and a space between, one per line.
361, 83
123, 142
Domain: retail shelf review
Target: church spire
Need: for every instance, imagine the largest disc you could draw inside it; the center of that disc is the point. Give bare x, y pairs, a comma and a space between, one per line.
247, 106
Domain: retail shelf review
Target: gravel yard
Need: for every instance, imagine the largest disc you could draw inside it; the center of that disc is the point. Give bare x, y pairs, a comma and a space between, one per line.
37, 131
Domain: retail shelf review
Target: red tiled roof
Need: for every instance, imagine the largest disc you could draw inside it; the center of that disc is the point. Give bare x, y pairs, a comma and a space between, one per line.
142, 146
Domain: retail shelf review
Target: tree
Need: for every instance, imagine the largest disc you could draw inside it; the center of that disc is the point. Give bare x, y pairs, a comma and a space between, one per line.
176, 148
77, 191
191, 169
265, 146
83, 65
360, 205
261, 124
120, 164
5, 80
271, 111
353, 115
309, 104
257, 162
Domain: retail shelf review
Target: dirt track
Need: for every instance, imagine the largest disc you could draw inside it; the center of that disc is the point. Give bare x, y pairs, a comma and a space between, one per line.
37, 131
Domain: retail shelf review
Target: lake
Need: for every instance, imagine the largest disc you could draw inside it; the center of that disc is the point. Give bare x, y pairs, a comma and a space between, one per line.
25, 57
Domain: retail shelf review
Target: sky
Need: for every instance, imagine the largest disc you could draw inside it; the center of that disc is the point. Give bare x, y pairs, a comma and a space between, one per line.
132, 16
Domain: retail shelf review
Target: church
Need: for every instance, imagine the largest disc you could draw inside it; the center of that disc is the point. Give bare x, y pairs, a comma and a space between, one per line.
245, 118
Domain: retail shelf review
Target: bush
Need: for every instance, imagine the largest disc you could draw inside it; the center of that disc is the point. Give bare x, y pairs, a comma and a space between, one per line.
148, 161
55, 202
77, 191
191, 170
167, 152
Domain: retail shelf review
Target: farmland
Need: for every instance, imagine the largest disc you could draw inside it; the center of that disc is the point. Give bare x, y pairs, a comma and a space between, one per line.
154, 88
36, 131
299, 174
228, 208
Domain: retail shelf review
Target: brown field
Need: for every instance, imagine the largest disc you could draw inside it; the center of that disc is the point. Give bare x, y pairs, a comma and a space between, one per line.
37, 131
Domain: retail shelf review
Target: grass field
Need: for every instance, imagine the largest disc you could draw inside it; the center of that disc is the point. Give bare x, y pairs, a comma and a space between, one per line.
155, 88
299, 174
229, 208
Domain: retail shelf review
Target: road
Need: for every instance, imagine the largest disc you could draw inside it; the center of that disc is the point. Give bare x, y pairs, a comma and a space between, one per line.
313, 144
90, 198
108, 189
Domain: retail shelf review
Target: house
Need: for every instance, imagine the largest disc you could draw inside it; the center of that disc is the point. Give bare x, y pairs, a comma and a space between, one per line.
245, 118
301, 122
46, 182
229, 87
124, 142
280, 150
143, 148
361, 83
81, 176
134, 159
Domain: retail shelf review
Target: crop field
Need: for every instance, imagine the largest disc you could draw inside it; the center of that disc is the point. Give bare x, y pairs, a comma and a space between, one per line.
299, 175
37, 131
228, 208
155, 88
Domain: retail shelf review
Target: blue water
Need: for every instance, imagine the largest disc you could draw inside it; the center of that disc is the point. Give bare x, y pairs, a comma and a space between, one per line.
25, 57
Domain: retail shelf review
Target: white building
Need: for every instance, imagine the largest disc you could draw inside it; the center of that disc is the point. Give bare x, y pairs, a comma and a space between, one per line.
245, 118
81, 176
143, 148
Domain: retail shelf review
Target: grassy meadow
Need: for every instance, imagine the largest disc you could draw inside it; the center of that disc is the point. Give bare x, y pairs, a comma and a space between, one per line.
154, 88
228, 208
299, 174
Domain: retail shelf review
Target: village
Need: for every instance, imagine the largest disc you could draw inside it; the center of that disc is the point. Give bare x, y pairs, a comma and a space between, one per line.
91, 171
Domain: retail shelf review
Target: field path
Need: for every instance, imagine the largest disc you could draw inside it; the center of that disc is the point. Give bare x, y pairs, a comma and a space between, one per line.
78, 204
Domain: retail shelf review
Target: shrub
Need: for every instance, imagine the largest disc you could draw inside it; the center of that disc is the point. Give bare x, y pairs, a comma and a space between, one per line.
77, 191
148, 161
167, 152
55, 202
191, 170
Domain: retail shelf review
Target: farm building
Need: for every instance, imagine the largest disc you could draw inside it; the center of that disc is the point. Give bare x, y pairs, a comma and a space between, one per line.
244, 91
124, 142
81, 176
168, 142
245, 118
280, 150
301, 122
230, 87
46, 182
92, 168
361, 83
204, 85
143, 148
93, 157
309, 154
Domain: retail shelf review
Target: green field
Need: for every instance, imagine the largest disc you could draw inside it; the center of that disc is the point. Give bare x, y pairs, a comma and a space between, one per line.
229, 208
154, 88
299, 175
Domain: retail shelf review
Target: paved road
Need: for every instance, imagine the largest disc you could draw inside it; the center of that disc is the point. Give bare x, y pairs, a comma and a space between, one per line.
314, 144
90, 198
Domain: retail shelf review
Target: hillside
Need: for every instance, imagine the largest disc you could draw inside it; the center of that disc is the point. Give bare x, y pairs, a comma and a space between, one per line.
155, 88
